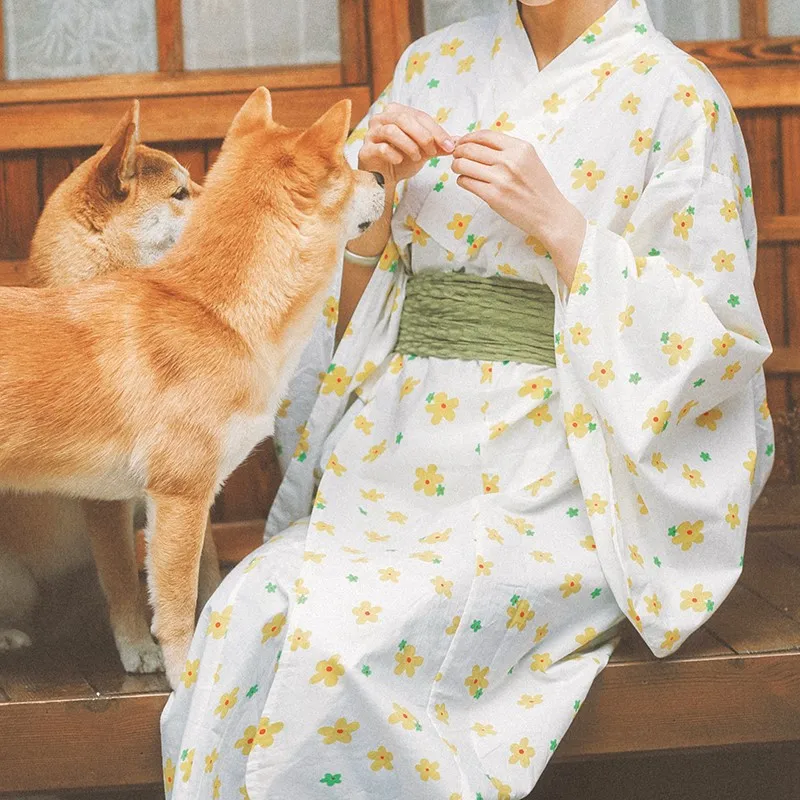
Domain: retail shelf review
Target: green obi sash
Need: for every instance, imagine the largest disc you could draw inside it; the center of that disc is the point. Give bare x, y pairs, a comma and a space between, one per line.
467, 317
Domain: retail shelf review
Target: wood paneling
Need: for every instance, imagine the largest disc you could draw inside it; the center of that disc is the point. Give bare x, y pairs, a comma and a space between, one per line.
389, 34
166, 119
750, 52
169, 27
760, 87
754, 15
353, 37
19, 202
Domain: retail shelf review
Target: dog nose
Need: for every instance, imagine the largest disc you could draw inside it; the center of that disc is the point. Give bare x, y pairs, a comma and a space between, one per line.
380, 179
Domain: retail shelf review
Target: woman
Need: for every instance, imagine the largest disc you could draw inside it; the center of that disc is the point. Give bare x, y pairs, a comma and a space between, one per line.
473, 504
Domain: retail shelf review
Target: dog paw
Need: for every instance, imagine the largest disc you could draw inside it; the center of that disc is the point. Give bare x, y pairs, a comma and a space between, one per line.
144, 656
12, 639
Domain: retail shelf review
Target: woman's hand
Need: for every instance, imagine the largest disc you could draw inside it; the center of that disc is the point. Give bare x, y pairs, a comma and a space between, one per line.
399, 142
508, 175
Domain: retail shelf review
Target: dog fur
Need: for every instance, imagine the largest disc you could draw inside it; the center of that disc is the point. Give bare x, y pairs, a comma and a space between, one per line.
159, 382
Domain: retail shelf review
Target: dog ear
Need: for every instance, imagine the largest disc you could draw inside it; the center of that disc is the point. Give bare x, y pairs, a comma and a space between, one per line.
118, 166
255, 113
330, 131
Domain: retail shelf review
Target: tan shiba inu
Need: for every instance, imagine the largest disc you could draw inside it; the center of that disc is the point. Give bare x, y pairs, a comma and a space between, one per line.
122, 208
160, 381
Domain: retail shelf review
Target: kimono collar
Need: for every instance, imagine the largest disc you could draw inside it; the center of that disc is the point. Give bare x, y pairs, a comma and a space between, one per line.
626, 18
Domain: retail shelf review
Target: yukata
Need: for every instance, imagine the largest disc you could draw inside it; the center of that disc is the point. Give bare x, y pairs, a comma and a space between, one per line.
456, 541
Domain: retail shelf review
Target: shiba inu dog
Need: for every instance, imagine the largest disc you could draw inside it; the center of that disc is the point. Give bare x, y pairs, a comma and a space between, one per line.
122, 208
159, 382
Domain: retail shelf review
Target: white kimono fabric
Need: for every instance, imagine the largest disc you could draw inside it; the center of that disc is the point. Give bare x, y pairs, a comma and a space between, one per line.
455, 542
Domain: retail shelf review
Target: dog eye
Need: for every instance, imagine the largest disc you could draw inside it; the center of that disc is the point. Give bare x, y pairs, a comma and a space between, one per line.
181, 194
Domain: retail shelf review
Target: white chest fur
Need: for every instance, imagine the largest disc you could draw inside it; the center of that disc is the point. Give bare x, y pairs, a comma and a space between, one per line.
242, 435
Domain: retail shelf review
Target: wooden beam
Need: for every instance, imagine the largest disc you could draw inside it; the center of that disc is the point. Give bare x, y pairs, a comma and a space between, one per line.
784, 361
761, 52
754, 16
353, 38
416, 13
761, 87
2, 48
779, 228
169, 32
33, 126
389, 35
153, 84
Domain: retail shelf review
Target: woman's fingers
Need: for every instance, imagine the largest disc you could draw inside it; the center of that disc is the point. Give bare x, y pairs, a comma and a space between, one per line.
493, 139
428, 135
473, 169
393, 135
477, 152
481, 189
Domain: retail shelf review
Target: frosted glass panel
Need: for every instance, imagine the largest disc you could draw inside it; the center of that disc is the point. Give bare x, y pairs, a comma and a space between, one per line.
68, 38
784, 18
221, 34
678, 19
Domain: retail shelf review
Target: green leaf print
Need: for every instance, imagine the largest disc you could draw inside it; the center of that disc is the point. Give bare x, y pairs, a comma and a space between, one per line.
657, 561
529, 532
331, 368
478, 694
657, 147
770, 449
476, 625
471, 238
690, 211
302, 457
402, 645
583, 289
665, 337
252, 691
590, 39
579, 163
709, 605
352, 578
592, 426
596, 593
716, 106
393, 266
331, 780
418, 727
747, 243
434, 162
439, 186
514, 599
635, 378
572, 512
440, 490
302, 599
698, 383
640, 28
363, 511
654, 251
664, 427
429, 398
748, 191
398, 438
471, 127
547, 394
433, 83
673, 531
553, 745
625, 273
705, 456
184, 755
366, 671
576, 705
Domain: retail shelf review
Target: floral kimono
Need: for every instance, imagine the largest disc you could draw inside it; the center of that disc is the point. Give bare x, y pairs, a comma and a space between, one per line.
455, 542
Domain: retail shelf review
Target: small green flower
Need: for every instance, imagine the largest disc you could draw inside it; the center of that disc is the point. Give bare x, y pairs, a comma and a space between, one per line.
529, 532
640, 28
252, 690
331, 780
770, 449
698, 383
478, 694
634, 378
709, 605
657, 561
592, 426
547, 394
625, 273
733, 300
553, 745
705, 456
596, 593
271, 588
690, 211
471, 238
514, 599
184, 755
429, 398
654, 252
398, 438
440, 490
478, 449
418, 727
673, 531
657, 147
476, 625
471, 127
402, 645
434, 162
590, 39
572, 512
365, 670
665, 337
579, 163
439, 186
748, 191
363, 511
433, 83
576, 705
352, 578
331, 368
302, 457
302, 599
583, 289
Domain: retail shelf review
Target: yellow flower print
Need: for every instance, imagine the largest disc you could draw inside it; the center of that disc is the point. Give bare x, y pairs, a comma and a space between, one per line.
407, 661
475, 246
226, 702
375, 452
626, 196
484, 729
453, 626
653, 605
587, 636
732, 517
459, 224
418, 236
764, 409
498, 430
302, 442
588, 543
477, 680
442, 407
381, 758
542, 557
730, 371
300, 589
335, 467
482, 566
537, 246
723, 345
602, 374
657, 418
634, 617
451, 48
340, 732
735, 164
631, 465
596, 505
644, 63
428, 556
711, 111
695, 599
490, 483
189, 674
243, 793
671, 638
684, 222
626, 318
686, 95
507, 270
519, 615
581, 276
571, 585
686, 409
688, 533
540, 415
397, 516
331, 311
494, 535
416, 65
496, 46
502, 124
186, 765
530, 700
325, 527
503, 789
409, 384
587, 175
428, 770
169, 776
273, 628
328, 671
442, 115
521, 753
389, 575
682, 152
750, 464
631, 104
211, 760
465, 65
361, 423
577, 421
541, 632
678, 349
366, 370
546, 481
283, 408
580, 334
310, 555
535, 388
724, 261
442, 586
373, 495
300, 640
218, 622
642, 141
366, 612
403, 717
553, 103
442, 713
709, 419
604, 71
427, 480
437, 536
728, 211
262, 735
541, 662
336, 381
486, 373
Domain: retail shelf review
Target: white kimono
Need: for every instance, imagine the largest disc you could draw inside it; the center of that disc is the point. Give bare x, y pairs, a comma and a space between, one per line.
455, 542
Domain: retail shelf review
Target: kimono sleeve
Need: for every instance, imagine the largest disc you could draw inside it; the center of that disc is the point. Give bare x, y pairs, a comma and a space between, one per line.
661, 342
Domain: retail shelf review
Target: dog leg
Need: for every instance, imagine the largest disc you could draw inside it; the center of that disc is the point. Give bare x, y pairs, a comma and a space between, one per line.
175, 530
109, 526
209, 570
18, 596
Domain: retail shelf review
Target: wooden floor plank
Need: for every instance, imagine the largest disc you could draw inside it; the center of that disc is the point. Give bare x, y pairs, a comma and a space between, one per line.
788, 541
773, 576
41, 674
700, 644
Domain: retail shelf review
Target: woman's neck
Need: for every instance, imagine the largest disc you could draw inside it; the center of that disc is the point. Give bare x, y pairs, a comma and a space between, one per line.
553, 28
